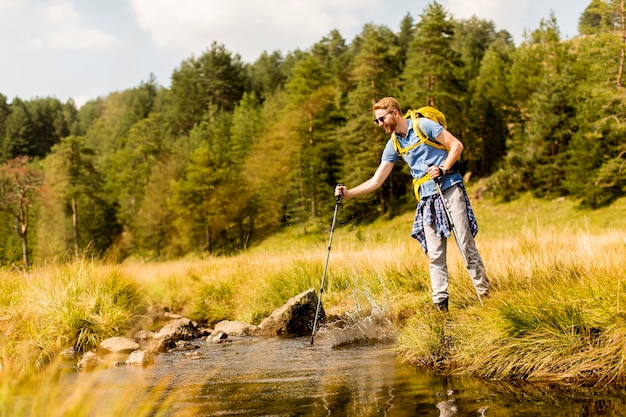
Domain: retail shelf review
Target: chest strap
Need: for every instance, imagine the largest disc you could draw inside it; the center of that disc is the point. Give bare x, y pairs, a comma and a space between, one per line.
423, 138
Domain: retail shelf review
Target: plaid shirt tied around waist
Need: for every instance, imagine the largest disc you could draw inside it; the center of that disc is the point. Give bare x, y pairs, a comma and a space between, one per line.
430, 210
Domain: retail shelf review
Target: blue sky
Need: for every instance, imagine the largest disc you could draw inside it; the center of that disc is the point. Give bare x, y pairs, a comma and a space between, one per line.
82, 49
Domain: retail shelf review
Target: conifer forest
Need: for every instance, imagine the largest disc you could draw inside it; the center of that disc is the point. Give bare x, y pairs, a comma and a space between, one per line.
232, 152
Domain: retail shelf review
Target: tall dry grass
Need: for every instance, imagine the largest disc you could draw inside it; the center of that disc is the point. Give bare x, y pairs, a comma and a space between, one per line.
556, 310
45, 310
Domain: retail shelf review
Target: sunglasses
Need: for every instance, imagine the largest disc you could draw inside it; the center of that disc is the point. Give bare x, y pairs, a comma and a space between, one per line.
381, 119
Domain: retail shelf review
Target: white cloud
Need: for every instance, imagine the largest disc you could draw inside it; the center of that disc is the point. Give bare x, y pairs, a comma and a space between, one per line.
86, 48
519, 16
246, 27
486, 9
249, 27
506, 15
36, 24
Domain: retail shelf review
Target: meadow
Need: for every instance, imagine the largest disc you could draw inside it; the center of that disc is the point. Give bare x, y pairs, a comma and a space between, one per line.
556, 312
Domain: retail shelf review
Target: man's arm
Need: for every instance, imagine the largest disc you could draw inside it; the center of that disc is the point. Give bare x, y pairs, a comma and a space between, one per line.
379, 177
455, 147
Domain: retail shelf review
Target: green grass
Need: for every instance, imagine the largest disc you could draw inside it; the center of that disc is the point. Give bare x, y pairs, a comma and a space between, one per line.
77, 305
557, 311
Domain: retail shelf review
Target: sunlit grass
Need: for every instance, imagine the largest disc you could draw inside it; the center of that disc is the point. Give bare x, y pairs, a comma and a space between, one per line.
557, 310
46, 310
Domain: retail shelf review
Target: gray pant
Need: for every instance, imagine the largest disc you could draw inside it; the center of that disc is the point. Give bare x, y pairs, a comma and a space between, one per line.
437, 248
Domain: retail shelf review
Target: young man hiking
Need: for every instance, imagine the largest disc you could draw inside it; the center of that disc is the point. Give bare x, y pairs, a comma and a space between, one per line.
430, 160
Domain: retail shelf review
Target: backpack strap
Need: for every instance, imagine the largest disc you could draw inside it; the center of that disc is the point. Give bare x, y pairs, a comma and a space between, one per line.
423, 138
417, 182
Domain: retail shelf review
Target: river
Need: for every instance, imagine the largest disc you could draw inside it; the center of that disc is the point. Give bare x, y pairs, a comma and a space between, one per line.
274, 376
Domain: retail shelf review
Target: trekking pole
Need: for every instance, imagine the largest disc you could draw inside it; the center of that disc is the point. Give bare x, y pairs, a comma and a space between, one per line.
330, 239
456, 237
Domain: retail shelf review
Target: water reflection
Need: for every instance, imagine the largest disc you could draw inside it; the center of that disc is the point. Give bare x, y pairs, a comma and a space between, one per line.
288, 377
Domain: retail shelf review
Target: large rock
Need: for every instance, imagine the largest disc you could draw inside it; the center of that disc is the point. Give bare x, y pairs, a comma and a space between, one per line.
140, 358
294, 318
181, 329
235, 328
91, 361
119, 344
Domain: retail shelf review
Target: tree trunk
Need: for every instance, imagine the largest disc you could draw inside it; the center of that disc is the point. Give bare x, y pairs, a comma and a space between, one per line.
24, 243
75, 225
313, 187
22, 223
620, 72
431, 88
21, 227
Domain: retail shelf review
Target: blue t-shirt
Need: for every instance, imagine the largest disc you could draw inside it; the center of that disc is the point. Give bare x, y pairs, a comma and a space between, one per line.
421, 157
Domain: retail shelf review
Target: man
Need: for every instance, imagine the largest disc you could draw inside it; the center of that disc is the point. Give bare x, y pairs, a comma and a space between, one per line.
428, 162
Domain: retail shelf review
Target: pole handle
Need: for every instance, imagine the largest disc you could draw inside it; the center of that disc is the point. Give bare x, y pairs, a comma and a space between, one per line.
340, 196
438, 179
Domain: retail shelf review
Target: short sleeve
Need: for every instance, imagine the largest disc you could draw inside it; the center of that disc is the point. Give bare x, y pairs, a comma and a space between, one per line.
431, 128
389, 154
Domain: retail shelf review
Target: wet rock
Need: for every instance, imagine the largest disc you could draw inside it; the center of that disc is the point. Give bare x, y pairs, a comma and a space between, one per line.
91, 361
194, 355
140, 358
235, 328
447, 408
203, 332
181, 329
119, 344
144, 335
183, 346
219, 337
294, 318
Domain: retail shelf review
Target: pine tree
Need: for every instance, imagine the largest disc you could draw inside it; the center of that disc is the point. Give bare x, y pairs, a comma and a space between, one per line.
377, 66
489, 111
74, 180
216, 78
434, 72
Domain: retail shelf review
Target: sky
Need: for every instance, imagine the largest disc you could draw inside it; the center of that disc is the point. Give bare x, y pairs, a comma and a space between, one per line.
84, 49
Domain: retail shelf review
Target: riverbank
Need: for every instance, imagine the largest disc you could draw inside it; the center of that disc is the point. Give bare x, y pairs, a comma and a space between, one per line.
556, 312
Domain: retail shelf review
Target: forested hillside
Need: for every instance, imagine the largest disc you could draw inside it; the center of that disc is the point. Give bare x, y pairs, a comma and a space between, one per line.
233, 151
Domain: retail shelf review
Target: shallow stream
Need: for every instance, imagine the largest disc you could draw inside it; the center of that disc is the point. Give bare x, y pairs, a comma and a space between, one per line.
273, 376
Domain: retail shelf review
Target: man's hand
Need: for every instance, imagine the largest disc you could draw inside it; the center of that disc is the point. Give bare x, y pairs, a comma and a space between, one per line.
342, 190
435, 172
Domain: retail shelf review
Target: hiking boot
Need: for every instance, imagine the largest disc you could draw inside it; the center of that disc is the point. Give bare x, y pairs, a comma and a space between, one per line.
442, 305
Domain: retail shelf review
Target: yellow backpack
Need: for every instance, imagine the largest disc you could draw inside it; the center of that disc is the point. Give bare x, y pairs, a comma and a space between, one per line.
432, 114
428, 112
